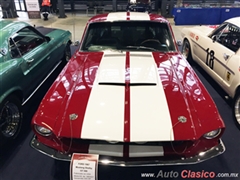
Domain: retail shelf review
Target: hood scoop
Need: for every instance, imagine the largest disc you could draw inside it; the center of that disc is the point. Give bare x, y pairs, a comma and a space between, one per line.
127, 84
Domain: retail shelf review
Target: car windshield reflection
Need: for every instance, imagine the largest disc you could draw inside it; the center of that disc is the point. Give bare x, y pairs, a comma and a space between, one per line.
126, 36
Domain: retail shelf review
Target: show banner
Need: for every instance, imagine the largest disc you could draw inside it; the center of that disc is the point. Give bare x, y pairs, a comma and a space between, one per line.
33, 9
84, 167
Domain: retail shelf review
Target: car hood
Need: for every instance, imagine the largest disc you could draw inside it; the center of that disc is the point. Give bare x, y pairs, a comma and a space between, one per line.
128, 96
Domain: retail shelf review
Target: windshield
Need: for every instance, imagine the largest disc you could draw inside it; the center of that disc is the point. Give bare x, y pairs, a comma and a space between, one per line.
128, 35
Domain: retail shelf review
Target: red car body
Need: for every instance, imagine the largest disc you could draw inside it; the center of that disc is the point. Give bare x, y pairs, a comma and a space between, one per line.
131, 104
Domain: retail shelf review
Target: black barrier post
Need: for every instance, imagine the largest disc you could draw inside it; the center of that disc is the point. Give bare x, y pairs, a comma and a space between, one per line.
61, 9
13, 7
156, 6
8, 8
54, 5
114, 5
166, 8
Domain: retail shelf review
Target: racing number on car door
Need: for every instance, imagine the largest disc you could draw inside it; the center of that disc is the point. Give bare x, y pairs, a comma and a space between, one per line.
210, 58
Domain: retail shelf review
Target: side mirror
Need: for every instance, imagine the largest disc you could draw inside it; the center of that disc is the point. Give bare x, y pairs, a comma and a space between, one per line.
3, 51
47, 39
225, 56
179, 42
76, 43
214, 38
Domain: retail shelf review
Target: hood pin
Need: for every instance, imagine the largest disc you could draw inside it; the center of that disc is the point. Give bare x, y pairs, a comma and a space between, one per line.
182, 119
73, 116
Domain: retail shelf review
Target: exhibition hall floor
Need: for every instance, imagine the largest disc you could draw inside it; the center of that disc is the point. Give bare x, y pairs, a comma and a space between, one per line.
18, 161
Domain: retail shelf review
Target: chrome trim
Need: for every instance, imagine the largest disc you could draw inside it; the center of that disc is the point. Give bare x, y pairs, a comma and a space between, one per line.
46, 135
214, 151
115, 55
55, 67
218, 132
141, 55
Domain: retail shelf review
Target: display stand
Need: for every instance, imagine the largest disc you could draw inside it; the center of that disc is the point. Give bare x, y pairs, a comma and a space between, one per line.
33, 9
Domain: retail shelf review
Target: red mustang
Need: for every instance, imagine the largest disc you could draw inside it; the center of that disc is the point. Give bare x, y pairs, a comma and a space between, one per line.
128, 95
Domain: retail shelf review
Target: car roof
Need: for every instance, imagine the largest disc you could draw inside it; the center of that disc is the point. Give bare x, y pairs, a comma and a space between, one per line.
127, 16
7, 28
7, 24
235, 21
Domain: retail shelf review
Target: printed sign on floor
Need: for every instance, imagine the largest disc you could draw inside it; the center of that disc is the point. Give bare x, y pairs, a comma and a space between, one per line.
84, 167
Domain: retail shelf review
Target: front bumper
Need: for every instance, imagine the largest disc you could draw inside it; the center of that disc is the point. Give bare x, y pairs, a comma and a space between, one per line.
115, 161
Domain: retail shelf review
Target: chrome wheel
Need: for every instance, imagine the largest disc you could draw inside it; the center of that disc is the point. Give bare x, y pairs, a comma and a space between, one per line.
186, 50
236, 109
10, 118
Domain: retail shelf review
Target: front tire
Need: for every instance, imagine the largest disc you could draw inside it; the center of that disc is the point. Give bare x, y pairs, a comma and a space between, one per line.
11, 117
186, 50
236, 109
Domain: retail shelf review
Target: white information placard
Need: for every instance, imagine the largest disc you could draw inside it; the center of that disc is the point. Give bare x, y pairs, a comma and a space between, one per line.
84, 167
32, 5
33, 9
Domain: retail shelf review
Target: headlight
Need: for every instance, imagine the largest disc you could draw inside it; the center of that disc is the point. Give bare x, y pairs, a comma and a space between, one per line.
212, 134
43, 131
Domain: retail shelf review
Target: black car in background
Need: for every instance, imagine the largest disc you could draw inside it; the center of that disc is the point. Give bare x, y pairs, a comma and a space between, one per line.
139, 6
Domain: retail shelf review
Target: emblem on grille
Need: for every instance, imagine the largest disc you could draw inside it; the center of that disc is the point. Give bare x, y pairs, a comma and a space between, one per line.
73, 116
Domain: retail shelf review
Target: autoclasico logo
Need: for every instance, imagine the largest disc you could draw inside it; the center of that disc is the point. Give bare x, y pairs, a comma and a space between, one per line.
186, 174
198, 174
189, 174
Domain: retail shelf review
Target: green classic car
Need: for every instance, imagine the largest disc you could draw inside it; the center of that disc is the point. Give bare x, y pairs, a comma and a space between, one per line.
28, 55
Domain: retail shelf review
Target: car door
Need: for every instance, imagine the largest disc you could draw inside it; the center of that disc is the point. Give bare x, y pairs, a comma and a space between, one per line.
231, 42
34, 50
212, 54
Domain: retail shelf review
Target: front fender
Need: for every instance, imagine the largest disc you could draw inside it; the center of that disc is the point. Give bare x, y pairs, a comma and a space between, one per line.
14, 90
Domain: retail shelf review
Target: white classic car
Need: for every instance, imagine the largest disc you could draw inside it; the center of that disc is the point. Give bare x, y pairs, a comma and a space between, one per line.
217, 50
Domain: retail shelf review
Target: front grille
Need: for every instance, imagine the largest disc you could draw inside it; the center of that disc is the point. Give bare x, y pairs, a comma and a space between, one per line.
127, 149
161, 143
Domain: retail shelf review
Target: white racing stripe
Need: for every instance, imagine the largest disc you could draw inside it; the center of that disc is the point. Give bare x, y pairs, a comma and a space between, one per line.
150, 119
123, 16
105, 110
149, 114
